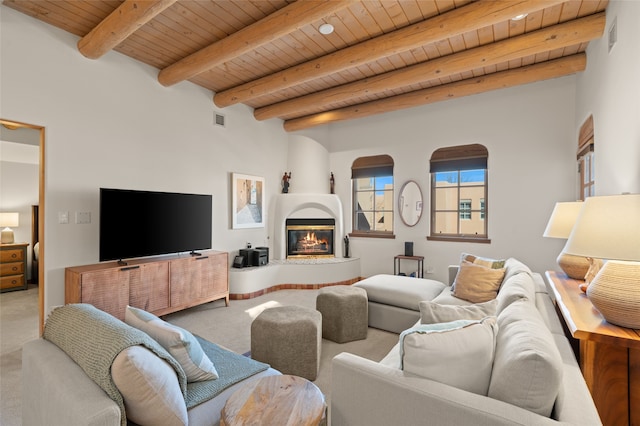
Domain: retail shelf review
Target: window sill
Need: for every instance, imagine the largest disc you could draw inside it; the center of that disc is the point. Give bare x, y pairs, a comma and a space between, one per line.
371, 235
455, 239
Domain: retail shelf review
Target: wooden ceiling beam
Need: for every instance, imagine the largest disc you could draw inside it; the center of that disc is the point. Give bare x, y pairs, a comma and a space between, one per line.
458, 21
472, 86
280, 23
562, 35
120, 24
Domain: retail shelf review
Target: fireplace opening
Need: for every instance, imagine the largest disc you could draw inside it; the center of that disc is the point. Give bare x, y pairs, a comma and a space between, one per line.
310, 238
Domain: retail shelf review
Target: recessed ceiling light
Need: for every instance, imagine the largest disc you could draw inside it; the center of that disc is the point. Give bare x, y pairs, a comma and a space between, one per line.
519, 17
326, 29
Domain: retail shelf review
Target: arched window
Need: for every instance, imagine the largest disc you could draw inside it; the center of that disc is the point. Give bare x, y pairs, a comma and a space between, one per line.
372, 181
586, 157
459, 193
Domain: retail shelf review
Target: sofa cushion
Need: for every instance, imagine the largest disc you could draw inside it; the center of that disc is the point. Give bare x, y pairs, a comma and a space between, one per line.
432, 312
527, 369
404, 292
458, 353
484, 261
519, 286
477, 283
177, 341
513, 267
149, 387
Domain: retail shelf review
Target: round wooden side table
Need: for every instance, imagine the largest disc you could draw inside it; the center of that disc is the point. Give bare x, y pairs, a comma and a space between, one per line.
275, 400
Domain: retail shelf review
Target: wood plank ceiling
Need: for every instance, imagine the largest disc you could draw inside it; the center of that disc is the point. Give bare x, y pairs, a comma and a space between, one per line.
384, 55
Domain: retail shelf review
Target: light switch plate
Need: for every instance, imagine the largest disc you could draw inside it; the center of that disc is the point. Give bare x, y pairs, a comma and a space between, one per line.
63, 218
83, 217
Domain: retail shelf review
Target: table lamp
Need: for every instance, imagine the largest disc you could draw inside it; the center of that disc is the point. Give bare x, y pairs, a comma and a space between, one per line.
608, 227
8, 220
560, 225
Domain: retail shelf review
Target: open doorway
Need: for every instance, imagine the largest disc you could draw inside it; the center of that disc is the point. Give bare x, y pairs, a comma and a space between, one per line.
21, 136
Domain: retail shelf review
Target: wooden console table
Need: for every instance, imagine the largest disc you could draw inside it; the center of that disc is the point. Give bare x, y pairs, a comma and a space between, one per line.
419, 259
609, 354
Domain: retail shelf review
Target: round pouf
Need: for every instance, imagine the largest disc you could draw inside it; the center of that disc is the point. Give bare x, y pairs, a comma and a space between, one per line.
344, 310
289, 339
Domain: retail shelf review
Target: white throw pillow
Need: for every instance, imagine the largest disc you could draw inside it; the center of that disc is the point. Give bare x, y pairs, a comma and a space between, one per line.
527, 370
180, 343
458, 353
433, 313
149, 387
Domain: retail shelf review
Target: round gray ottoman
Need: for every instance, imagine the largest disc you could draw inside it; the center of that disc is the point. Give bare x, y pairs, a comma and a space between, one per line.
344, 310
289, 339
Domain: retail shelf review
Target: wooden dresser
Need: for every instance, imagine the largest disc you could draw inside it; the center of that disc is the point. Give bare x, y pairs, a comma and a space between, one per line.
13, 266
157, 285
609, 354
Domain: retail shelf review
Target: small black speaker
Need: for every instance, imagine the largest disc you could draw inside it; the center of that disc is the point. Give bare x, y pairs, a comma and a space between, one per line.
408, 248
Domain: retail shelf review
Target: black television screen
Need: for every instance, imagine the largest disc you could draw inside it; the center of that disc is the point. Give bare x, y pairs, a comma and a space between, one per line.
146, 223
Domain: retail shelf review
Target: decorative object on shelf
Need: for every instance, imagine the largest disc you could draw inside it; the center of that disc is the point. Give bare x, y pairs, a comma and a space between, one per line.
332, 184
285, 182
9, 220
248, 205
346, 246
560, 225
608, 227
410, 203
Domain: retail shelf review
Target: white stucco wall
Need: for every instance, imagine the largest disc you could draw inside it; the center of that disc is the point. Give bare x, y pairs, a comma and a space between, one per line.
610, 90
109, 123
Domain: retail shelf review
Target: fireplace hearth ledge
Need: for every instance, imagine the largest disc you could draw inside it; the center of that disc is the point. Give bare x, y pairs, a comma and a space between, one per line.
303, 273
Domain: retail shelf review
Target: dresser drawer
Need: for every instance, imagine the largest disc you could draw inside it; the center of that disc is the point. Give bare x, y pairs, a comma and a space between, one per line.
13, 268
12, 255
13, 281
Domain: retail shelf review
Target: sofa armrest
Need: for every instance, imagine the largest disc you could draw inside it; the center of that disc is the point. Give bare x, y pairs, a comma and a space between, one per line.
453, 271
365, 392
56, 391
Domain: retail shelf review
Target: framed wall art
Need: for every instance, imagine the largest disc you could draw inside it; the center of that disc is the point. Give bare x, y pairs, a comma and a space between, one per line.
247, 201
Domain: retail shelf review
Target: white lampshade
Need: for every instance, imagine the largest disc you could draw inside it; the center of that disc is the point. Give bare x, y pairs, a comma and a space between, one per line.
10, 219
560, 225
562, 219
608, 227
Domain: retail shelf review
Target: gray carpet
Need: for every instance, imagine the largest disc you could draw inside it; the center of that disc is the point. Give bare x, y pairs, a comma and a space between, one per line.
226, 326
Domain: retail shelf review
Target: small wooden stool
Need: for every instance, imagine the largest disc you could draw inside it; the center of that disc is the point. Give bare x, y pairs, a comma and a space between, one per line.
275, 400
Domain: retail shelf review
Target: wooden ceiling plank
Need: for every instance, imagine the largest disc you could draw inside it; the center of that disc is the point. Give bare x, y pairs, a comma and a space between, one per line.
272, 27
458, 21
525, 75
120, 24
537, 42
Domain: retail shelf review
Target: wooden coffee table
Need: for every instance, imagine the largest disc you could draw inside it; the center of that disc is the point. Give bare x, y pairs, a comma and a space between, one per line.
275, 400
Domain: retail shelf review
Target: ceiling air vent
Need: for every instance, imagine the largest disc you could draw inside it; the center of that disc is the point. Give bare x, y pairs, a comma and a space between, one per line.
613, 34
218, 119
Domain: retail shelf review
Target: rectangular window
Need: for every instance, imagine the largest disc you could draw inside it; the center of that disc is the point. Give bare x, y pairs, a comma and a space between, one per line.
459, 204
459, 193
374, 204
465, 209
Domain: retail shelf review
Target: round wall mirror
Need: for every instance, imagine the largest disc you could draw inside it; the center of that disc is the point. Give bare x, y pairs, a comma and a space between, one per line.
410, 203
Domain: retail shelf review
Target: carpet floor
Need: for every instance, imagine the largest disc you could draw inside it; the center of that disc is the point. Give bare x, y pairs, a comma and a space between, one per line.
227, 326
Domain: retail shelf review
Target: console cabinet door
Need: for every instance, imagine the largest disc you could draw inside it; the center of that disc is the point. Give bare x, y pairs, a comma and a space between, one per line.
107, 290
183, 281
149, 286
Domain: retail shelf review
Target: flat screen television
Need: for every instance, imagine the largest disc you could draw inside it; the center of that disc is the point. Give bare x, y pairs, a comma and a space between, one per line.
147, 223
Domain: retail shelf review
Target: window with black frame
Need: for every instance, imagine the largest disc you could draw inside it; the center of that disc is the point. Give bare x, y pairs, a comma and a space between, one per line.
459, 193
372, 180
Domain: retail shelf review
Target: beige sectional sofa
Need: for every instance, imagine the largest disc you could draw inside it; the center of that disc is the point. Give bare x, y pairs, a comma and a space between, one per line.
60, 385
534, 378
